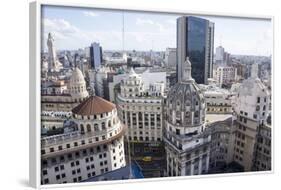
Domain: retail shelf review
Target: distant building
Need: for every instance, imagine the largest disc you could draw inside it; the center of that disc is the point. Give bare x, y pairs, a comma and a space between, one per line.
55, 97
171, 57
195, 39
225, 76
98, 80
219, 56
95, 55
218, 100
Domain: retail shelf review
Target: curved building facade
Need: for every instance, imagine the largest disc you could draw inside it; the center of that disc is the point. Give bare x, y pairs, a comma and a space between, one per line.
93, 147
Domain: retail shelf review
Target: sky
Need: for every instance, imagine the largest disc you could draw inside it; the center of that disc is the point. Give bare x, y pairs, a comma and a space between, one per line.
75, 28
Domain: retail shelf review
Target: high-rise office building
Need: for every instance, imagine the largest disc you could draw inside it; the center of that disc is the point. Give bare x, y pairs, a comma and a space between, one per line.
219, 56
195, 39
95, 55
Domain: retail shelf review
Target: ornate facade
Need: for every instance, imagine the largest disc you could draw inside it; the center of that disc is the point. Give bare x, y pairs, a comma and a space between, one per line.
186, 142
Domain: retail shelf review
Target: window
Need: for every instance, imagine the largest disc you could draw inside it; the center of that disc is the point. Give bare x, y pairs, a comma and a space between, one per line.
69, 156
88, 128
62, 167
258, 108
103, 125
82, 129
57, 177
51, 149
46, 181
54, 160
63, 175
72, 164
78, 170
67, 145
44, 172
77, 163
77, 154
75, 144
258, 99
60, 147
96, 127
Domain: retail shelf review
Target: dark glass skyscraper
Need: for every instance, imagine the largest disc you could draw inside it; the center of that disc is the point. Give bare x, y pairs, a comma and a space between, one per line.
95, 55
195, 39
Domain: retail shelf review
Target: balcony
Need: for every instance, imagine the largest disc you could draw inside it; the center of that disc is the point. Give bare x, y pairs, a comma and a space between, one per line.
88, 141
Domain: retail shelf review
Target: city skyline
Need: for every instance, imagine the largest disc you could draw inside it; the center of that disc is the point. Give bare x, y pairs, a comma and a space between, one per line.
75, 28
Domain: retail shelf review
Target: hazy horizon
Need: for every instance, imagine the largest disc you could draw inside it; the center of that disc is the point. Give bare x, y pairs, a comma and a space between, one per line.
76, 28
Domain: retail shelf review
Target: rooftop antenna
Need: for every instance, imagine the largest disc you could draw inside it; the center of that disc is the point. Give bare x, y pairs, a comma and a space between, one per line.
123, 31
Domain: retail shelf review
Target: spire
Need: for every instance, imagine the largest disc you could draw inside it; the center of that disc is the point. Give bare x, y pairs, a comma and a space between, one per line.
186, 72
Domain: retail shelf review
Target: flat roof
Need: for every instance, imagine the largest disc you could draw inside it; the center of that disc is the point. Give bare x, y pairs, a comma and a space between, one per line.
211, 118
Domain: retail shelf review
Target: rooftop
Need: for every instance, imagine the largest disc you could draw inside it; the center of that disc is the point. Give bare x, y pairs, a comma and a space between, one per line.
212, 118
93, 105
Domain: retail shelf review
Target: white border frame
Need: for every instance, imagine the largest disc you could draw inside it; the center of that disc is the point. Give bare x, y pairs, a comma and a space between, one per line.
35, 96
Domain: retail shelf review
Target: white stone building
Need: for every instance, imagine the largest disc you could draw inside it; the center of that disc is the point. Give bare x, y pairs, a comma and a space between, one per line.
141, 109
225, 75
186, 142
219, 101
252, 110
95, 146
65, 99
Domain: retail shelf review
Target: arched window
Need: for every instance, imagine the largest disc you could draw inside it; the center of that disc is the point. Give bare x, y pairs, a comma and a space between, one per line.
82, 129
258, 108
96, 127
88, 128
103, 126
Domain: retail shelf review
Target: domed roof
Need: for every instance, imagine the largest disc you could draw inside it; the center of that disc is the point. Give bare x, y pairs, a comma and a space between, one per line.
187, 100
77, 76
185, 94
93, 105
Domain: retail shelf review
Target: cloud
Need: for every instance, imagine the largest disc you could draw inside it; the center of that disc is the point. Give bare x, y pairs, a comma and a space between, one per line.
171, 21
68, 36
90, 13
141, 21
